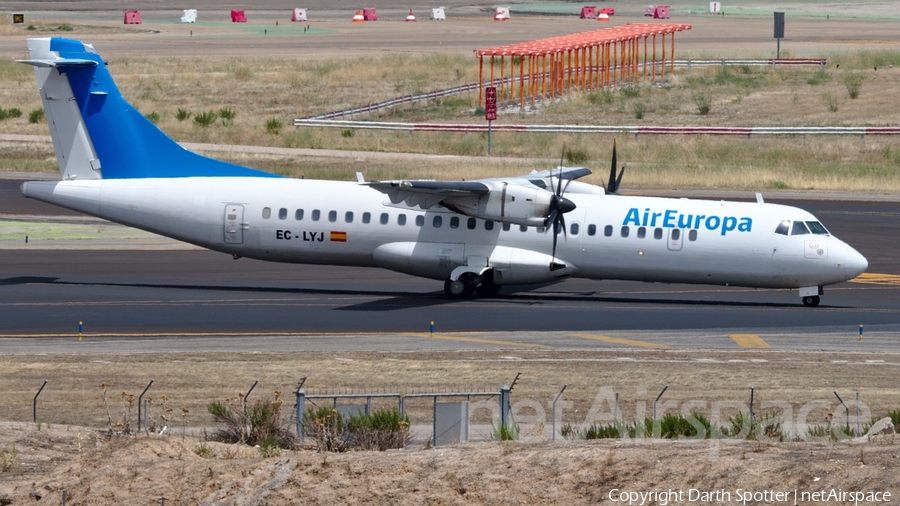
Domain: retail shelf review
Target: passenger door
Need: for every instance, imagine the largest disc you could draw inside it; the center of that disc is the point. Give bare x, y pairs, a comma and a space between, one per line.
234, 224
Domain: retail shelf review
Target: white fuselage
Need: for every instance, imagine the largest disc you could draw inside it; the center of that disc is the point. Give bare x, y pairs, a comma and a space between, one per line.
342, 223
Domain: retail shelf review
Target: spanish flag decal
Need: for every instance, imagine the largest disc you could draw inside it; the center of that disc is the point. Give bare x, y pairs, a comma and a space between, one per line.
338, 236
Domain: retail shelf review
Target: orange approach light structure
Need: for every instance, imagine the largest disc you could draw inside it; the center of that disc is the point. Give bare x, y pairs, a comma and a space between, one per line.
587, 61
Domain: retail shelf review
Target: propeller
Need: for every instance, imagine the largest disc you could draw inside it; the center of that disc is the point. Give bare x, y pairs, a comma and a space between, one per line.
559, 206
614, 182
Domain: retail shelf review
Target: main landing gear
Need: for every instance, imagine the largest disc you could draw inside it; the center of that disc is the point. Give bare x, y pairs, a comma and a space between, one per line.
811, 301
469, 284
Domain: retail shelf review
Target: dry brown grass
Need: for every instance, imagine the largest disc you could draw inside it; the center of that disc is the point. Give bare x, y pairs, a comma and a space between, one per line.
262, 88
191, 381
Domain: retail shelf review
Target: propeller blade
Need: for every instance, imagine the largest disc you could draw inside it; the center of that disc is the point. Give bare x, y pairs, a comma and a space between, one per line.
610, 188
619, 179
555, 233
559, 182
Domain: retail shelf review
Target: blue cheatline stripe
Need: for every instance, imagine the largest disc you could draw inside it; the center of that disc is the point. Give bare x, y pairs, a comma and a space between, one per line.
128, 144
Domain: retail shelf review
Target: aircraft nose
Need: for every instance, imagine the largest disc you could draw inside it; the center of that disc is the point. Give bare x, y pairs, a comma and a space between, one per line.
854, 263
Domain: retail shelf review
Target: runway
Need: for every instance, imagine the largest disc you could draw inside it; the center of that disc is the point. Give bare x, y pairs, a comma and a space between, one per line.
202, 300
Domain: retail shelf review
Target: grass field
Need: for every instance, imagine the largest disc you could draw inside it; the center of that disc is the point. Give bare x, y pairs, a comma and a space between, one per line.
252, 101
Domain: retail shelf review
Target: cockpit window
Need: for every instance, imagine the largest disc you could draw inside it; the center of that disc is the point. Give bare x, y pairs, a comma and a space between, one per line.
799, 228
783, 228
816, 228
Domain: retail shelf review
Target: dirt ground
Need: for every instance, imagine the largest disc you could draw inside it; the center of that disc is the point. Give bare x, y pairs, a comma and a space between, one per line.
91, 469
39, 462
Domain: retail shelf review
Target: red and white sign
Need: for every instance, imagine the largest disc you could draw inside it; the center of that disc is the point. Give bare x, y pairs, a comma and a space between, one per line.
490, 103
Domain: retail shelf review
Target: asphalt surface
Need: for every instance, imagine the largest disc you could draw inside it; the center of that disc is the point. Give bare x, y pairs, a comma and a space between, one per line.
179, 300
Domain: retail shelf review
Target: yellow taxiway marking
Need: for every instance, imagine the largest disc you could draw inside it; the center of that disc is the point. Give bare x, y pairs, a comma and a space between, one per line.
618, 340
749, 341
874, 278
462, 339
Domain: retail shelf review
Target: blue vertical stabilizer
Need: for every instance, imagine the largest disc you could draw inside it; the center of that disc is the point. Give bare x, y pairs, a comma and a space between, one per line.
104, 136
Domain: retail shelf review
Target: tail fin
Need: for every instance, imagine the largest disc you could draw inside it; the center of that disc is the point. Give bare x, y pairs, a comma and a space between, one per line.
96, 133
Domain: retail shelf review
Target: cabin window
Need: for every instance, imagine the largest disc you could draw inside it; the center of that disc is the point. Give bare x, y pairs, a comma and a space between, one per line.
816, 228
454, 222
332, 216
608, 230
523, 228
783, 227
267, 213
489, 225
420, 220
282, 213
641, 232
232, 217
384, 218
799, 228
298, 214
470, 224
573, 229
437, 221
348, 217
692, 235
657, 233
506, 227
316, 214
367, 217
592, 230
676, 234
625, 231
401, 219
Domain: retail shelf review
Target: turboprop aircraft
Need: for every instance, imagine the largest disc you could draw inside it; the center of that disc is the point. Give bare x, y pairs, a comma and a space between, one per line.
476, 236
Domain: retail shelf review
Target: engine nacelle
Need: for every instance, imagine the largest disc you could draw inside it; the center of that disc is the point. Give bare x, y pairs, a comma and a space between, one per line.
507, 203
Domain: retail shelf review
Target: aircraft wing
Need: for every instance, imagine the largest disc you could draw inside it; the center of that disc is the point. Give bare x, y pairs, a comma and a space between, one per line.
427, 194
452, 194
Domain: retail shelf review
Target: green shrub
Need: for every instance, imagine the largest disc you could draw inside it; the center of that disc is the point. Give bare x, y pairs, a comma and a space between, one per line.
506, 433
817, 78
182, 114
326, 427
702, 101
382, 429
15, 112
604, 97
638, 108
65, 28
256, 424
273, 126
630, 92
831, 101
204, 119
153, 117
348, 133
577, 156
204, 451
36, 116
608, 431
31, 28
227, 114
853, 81
895, 419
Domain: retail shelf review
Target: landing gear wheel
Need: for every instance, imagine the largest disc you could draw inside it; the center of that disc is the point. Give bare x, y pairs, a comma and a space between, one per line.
462, 288
811, 301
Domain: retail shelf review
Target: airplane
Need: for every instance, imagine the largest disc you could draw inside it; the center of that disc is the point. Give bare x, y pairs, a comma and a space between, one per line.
475, 236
